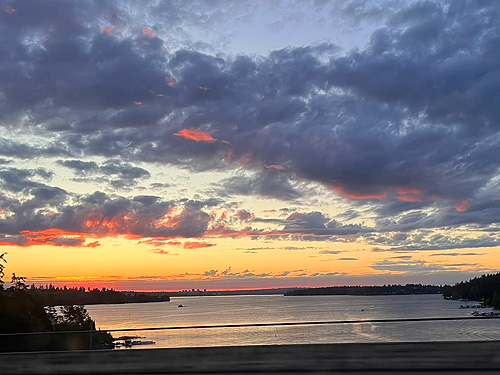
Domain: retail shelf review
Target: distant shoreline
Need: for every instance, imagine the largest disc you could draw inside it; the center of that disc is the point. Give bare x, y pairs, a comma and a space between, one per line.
408, 289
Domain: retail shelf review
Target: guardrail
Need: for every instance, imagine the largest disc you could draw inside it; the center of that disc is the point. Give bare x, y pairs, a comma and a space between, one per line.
243, 325
215, 335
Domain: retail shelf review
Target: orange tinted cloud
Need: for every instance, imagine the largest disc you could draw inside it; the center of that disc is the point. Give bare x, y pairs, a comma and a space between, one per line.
340, 190
195, 135
9, 9
406, 190
274, 166
55, 237
108, 30
409, 198
462, 207
196, 245
138, 102
148, 32
170, 81
161, 251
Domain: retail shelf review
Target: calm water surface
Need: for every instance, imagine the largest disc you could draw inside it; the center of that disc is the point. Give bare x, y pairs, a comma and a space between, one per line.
216, 310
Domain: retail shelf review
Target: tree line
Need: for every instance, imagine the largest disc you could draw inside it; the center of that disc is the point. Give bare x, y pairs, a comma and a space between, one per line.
485, 288
368, 290
57, 296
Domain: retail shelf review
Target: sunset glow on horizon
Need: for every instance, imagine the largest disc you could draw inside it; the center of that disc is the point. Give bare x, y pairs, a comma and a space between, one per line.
163, 146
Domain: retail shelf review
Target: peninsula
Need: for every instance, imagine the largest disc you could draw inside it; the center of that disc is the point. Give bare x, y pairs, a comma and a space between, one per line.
57, 296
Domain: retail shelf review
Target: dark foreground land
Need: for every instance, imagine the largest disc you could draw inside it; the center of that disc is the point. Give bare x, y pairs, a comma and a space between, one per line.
380, 358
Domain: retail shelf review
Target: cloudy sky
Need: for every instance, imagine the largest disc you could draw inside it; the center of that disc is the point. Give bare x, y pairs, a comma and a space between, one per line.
165, 145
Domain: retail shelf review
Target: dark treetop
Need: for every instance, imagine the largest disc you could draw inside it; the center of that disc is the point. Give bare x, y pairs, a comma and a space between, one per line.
485, 288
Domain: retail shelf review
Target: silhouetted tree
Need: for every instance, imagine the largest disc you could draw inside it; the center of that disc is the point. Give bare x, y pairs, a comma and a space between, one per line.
22, 312
18, 282
485, 288
2, 266
75, 316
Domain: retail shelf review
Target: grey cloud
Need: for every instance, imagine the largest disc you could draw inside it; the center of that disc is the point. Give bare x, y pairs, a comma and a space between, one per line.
330, 252
417, 108
270, 184
316, 223
115, 173
24, 181
416, 266
95, 214
211, 273
80, 166
454, 254
428, 241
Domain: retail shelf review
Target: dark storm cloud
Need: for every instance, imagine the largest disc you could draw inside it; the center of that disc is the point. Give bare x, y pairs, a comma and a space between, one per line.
408, 125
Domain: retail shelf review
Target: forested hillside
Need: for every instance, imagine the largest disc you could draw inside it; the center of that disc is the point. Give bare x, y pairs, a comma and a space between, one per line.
485, 288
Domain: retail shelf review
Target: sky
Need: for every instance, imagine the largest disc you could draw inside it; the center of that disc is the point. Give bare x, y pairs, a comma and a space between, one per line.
168, 145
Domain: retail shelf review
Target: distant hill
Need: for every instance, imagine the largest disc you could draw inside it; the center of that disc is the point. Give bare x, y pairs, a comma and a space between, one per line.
485, 288
368, 290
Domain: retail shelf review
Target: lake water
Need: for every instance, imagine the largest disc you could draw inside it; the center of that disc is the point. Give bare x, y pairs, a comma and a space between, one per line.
219, 310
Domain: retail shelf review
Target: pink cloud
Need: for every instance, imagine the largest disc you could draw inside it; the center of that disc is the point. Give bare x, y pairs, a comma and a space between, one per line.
274, 166
340, 190
195, 135
148, 32
196, 245
462, 207
406, 190
409, 198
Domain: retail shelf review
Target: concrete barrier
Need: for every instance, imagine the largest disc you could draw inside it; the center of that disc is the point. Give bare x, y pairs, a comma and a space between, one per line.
474, 357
